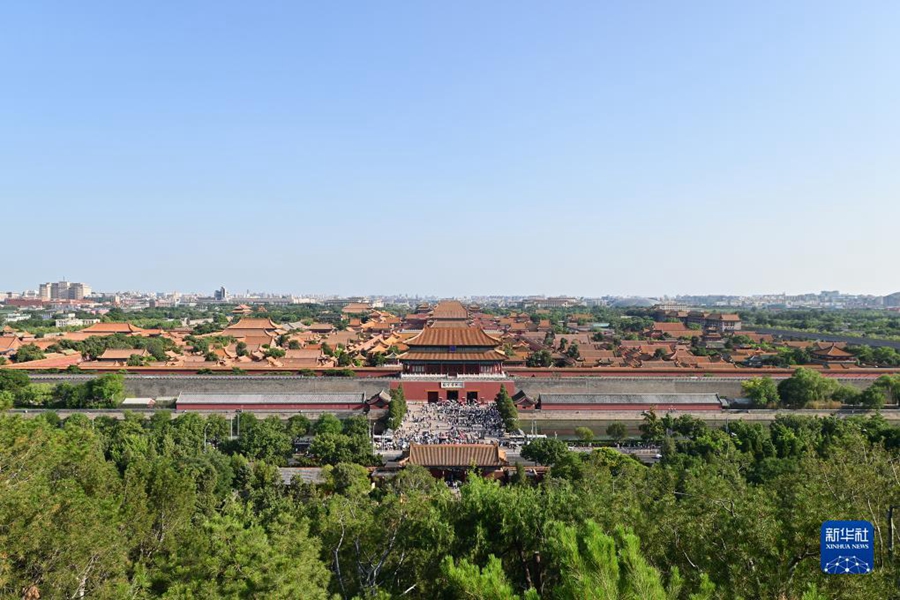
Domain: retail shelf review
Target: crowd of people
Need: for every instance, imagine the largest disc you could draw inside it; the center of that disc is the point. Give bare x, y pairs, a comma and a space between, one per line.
450, 422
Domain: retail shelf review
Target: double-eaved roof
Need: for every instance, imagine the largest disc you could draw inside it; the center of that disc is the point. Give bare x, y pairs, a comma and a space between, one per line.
453, 336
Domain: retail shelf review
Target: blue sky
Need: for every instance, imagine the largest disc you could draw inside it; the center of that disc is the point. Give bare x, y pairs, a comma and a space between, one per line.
451, 148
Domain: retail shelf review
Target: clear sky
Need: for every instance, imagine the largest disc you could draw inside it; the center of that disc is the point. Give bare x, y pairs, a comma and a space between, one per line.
451, 148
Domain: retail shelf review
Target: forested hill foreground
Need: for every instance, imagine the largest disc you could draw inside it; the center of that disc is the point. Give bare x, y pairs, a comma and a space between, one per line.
147, 509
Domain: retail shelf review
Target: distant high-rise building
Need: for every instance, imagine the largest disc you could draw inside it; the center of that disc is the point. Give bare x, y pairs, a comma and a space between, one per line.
64, 290
221, 294
78, 291
59, 290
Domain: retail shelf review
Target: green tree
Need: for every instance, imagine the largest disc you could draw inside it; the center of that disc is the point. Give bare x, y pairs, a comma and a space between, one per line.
105, 391
28, 353
6, 400
617, 431
653, 430
890, 385
217, 429
375, 359
546, 451
397, 408
135, 360
803, 387
275, 352
469, 581
265, 440
327, 423
334, 448
233, 556
590, 565
872, 398
13, 381
507, 409
347, 479
584, 434
61, 529
762, 391
542, 358
298, 426
846, 394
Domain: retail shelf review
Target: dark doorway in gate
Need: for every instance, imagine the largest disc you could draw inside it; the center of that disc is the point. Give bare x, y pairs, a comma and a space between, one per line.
472, 396
433, 396
452, 395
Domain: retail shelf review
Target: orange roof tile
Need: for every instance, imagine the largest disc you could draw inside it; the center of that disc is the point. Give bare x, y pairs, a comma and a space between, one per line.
453, 336
245, 323
490, 355
111, 328
456, 455
450, 309
122, 354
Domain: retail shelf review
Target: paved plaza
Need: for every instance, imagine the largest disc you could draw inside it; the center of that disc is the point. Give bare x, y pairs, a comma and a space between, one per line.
450, 422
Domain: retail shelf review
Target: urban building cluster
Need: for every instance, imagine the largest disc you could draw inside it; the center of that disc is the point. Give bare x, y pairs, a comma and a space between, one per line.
59, 293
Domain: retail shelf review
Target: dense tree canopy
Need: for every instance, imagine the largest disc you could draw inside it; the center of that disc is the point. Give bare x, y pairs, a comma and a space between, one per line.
175, 508
805, 387
763, 391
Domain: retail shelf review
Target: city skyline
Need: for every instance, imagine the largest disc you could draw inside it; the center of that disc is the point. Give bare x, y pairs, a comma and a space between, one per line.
238, 292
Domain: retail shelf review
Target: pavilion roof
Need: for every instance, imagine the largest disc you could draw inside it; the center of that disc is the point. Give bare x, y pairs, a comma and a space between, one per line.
832, 351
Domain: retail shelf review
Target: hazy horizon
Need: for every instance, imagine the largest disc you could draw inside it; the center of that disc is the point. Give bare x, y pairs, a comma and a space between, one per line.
238, 291
460, 150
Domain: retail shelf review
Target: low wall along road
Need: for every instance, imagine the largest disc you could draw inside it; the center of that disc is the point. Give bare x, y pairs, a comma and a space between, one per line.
162, 386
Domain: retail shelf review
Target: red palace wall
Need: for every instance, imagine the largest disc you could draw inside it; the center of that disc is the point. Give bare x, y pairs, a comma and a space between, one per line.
486, 390
267, 406
658, 408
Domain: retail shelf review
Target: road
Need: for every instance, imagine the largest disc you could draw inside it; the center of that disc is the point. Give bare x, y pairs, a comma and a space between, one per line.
584, 417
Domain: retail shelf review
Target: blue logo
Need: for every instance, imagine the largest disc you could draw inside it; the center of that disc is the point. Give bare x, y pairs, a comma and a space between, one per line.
847, 547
